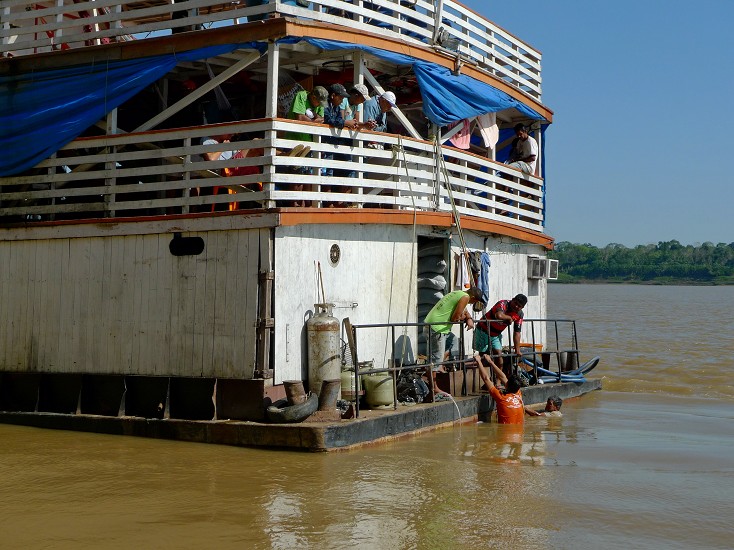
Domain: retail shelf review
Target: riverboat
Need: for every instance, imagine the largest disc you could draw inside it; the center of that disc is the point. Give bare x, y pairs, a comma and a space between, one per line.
143, 277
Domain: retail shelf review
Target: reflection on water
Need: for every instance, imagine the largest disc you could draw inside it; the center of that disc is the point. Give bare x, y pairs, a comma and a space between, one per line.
646, 463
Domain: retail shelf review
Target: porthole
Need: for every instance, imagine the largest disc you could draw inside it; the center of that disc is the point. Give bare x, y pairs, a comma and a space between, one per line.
335, 254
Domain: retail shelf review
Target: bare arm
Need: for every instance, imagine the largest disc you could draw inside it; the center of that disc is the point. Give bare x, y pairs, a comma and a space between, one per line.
461, 314
484, 375
516, 340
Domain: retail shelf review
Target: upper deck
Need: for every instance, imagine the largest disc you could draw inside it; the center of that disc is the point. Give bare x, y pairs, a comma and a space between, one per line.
30, 27
146, 156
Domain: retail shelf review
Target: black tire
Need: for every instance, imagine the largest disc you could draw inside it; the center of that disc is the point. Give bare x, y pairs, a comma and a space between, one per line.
280, 413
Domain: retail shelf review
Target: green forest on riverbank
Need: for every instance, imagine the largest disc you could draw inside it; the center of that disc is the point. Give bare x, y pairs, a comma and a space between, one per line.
664, 263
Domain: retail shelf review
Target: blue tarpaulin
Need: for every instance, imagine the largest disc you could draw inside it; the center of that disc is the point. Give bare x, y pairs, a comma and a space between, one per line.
42, 111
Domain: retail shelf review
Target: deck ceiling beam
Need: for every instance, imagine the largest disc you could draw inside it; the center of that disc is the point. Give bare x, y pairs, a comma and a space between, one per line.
242, 64
395, 110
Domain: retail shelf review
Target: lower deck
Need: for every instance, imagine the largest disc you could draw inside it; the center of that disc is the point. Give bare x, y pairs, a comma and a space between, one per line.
371, 427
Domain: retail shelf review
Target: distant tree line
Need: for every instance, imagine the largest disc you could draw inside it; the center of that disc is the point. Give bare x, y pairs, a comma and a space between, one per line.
666, 262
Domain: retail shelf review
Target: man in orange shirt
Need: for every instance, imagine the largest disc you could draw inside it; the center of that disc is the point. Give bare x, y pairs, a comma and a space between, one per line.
510, 406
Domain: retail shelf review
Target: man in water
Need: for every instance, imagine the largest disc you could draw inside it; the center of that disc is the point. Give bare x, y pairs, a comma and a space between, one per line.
510, 407
553, 406
449, 309
497, 319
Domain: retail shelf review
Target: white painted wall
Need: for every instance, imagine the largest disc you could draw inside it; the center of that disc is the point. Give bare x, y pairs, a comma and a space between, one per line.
376, 271
508, 276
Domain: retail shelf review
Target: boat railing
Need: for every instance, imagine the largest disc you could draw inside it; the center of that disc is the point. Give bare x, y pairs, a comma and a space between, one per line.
165, 172
31, 26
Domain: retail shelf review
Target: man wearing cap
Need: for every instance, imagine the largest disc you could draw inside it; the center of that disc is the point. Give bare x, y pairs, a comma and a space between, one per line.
308, 107
503, 314
376, 109
352, 104
333, 110
334, 118
449, 309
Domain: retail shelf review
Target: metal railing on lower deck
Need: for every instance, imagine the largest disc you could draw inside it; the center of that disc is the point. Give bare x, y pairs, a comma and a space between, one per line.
165, 172
563, 344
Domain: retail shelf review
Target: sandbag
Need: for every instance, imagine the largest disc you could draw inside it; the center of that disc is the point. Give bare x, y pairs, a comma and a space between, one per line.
437, 249
437, 282
429, 296
430, 265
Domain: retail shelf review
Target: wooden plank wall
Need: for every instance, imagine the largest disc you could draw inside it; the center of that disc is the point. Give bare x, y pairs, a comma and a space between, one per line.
126, 305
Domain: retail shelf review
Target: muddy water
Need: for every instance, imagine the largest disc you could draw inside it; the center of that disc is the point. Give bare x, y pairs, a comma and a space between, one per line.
646, 463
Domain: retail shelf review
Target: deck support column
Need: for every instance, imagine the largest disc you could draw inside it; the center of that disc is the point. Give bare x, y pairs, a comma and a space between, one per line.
265, 323
110, 167
271, 111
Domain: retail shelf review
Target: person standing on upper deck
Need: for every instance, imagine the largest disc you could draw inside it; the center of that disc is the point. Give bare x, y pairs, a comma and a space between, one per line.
308, 107
352, 105
524, 153
333, 117
503, 314
376, 109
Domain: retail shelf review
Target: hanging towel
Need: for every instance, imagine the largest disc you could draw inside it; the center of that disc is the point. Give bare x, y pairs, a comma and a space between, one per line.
483, 283
461, 139
488, 129
461, 280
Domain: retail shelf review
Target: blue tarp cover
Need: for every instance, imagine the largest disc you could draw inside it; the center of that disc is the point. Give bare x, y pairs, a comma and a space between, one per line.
40, 112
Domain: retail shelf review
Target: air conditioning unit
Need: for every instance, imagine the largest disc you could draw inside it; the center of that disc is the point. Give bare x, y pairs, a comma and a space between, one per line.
536, 267
552, 269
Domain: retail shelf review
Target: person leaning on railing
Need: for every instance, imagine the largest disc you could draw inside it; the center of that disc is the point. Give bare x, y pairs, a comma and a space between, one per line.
501, 315
334, 118
449, 309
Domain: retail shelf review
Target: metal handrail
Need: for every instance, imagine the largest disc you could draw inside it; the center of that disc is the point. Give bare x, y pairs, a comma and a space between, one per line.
463, 360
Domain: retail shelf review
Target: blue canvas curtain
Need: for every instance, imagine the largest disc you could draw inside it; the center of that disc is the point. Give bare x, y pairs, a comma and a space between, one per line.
42, 111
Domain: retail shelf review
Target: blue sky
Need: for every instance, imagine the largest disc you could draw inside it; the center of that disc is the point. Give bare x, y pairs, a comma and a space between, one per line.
642, 145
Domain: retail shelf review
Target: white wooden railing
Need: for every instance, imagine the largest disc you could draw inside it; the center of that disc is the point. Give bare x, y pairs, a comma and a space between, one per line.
33, 26
164, 173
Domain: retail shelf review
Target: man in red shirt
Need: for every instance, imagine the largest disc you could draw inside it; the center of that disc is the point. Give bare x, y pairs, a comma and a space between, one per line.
498, 318
510, 406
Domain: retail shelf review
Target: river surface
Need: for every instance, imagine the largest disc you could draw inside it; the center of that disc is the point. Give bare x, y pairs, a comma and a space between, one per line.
646, 463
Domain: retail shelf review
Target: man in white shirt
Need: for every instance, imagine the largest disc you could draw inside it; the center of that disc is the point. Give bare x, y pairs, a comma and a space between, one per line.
524, 154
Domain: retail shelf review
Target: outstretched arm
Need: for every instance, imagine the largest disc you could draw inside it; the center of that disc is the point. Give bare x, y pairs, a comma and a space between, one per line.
484, 374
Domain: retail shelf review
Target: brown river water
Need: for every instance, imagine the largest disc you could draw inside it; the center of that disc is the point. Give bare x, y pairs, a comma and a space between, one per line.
648, 462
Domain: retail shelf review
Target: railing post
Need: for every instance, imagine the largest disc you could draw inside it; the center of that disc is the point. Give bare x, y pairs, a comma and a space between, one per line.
186, 175
271, 112
111, 166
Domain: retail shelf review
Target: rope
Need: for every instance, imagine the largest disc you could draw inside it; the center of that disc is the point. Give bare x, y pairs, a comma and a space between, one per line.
457, 220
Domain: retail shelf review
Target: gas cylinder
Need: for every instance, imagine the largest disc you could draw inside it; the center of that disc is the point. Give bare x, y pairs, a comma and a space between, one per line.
324, 354
378, 389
